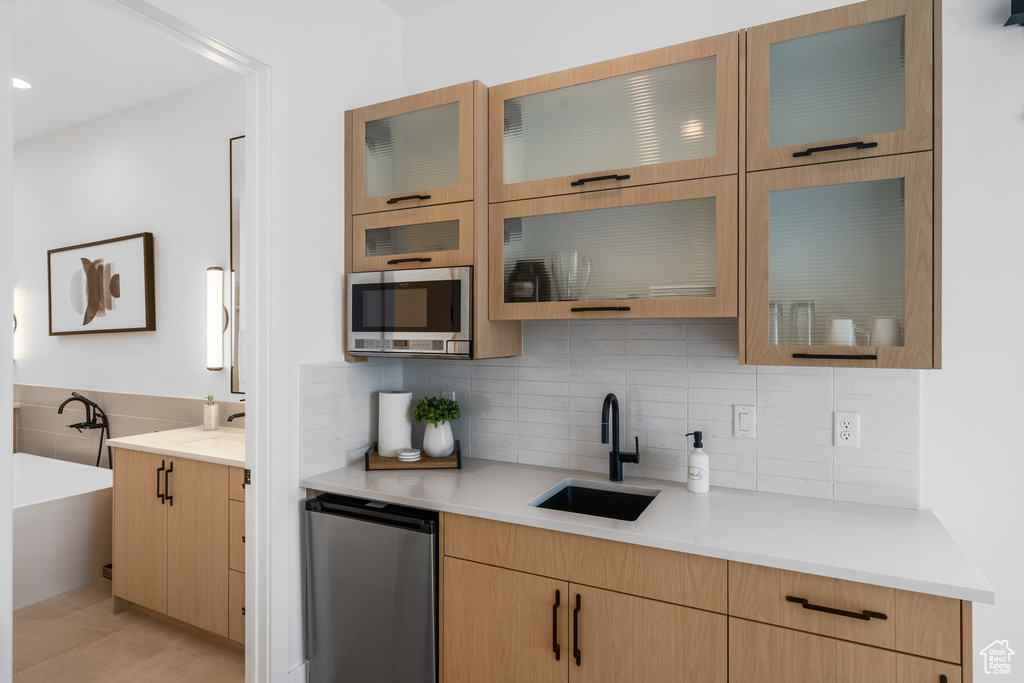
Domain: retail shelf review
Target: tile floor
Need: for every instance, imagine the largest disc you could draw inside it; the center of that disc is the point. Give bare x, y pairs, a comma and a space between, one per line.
76, 637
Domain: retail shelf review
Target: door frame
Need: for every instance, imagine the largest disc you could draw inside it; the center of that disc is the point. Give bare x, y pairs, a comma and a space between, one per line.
269, 497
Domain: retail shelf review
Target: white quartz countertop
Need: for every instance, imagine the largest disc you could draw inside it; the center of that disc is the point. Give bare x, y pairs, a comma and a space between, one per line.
220, 446
895, 547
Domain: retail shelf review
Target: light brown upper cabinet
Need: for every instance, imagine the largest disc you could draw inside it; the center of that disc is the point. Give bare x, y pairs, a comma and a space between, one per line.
659, 116
657, 251
418, 150
840, 264
845, 83
428, 237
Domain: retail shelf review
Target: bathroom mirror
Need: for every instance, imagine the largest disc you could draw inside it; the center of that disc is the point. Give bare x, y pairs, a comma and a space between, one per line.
237, 161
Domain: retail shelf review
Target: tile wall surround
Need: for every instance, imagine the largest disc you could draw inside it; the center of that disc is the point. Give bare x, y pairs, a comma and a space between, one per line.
42, 431
671, 377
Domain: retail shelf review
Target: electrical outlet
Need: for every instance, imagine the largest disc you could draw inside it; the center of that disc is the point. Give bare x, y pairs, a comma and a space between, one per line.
448, 393
846, 430
744, 422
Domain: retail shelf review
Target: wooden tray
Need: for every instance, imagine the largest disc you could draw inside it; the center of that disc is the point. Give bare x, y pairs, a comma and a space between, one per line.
374, 461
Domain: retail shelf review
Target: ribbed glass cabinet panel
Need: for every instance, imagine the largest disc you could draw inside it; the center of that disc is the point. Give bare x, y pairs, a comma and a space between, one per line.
840, 84
410, 239
643, 251
414, 151
649, 117
836, 265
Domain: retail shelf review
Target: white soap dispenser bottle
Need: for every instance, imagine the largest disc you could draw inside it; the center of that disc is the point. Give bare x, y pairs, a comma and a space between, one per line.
698, 466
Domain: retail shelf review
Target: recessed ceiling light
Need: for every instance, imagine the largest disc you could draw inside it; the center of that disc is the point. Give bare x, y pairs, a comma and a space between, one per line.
20, 84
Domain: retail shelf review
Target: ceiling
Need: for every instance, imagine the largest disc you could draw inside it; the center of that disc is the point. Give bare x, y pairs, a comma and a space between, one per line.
86, 61
407, 8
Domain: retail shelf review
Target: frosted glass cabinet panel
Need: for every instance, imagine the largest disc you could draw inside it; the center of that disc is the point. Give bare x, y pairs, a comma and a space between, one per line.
840, 264
841, 84
664, 115
428, 237
418, 150
667, 250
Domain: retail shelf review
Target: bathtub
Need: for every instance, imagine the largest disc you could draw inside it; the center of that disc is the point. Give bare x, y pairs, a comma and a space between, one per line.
62, 526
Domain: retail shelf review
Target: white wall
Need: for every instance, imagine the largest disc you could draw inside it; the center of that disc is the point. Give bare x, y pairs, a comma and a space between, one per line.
972, 467
973, 464
161, 167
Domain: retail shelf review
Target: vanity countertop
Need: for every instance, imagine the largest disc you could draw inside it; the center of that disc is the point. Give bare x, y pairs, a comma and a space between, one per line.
895, 547
223, 446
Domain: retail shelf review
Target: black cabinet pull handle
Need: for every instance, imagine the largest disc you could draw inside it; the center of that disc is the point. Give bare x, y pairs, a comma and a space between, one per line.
836, 356
576, 631
243, 539
408, 260
555, 647
943, 679
167, 491
831, 148
585, 309
395, 200
584, 181
158, 494
866, 615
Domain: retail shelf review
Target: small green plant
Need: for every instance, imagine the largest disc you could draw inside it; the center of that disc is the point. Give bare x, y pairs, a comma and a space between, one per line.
436, 410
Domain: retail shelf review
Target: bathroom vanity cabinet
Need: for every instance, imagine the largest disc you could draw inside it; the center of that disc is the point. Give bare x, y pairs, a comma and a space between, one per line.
172, 537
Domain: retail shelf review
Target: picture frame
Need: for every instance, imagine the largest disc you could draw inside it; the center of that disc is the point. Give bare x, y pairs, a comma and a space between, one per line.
102, 287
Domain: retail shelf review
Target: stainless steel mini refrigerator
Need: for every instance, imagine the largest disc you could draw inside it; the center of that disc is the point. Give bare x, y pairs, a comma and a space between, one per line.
371, 591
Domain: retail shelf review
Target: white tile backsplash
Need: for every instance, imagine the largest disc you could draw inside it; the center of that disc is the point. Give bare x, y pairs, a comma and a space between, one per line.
671, 377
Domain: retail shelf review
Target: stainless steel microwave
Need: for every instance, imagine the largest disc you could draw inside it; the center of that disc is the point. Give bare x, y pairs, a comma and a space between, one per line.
425, 312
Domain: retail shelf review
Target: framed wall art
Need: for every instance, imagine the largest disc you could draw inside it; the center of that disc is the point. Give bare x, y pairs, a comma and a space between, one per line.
102, 287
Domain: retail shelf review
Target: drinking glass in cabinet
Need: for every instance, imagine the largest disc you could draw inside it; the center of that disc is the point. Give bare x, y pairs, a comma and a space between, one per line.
412, 151
571, 270
836, 254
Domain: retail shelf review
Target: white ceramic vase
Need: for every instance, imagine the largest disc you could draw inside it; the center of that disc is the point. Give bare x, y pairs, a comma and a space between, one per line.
438, 442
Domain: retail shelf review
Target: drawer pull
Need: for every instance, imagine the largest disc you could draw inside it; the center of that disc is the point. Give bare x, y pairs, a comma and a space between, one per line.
159, 495
555, 647
943, 679
408, 260
832, 148
836, 356
583, 181
587, 309
866, 615
395, 200
576, 631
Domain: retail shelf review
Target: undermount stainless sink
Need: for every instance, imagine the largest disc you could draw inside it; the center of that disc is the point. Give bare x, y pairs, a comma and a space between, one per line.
625, 503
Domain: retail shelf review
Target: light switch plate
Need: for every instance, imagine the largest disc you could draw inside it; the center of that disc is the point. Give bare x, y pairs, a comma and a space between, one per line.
846, 430
448, 393
744, 422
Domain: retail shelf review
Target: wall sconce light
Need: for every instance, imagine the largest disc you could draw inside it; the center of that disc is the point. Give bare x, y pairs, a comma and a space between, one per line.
216, 318
1016, 13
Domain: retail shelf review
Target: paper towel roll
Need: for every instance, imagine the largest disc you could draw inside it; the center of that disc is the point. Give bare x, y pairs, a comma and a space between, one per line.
394, 422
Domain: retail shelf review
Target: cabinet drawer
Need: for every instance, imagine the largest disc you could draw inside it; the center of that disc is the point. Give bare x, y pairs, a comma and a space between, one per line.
236, 606
759, 653
236, 536
513, 546
920, 624
236, 483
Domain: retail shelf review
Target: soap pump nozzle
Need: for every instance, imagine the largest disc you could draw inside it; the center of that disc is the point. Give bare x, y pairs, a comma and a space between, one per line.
697, 439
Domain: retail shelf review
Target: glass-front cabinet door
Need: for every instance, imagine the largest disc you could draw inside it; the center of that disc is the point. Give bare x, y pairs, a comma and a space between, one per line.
664, 115
417, 150
840, 264
429, 237
841, 84
667, 250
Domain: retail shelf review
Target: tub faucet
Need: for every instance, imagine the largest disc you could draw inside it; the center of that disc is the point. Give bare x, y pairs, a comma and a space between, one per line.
95, 418
615, 457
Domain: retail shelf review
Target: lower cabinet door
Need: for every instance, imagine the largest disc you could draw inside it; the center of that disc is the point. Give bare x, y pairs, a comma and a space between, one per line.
759, 653
140, 529
503, 626
236, 606
197, 544
627, 638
